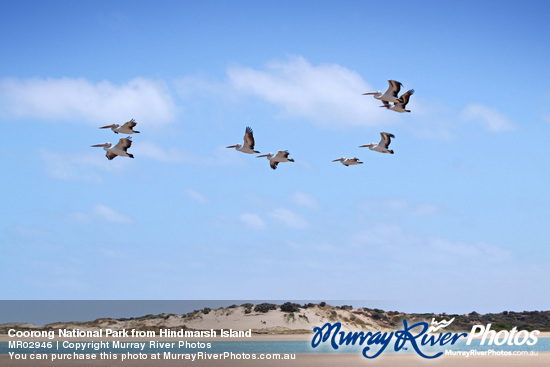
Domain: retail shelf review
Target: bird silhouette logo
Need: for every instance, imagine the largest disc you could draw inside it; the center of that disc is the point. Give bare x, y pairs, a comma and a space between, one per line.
439, 325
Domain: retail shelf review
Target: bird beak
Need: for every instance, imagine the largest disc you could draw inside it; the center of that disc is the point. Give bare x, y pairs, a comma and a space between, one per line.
231, 146
98, 145
106, 127
263, 155
336, 160
363, 146
367, 94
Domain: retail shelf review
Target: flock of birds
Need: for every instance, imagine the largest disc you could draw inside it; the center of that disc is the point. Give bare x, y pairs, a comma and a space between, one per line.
391, 95
248, 147
123, 144
390, 99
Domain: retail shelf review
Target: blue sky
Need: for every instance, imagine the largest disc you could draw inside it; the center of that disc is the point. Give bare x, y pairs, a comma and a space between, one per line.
455, 221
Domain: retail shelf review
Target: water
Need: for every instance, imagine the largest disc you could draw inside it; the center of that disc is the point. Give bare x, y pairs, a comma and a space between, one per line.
297, 347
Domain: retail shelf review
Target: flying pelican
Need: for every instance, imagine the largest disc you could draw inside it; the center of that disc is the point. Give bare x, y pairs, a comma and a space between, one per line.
275, 159
119, 149
348, 161
127, 128
390, 95
248, 146
381, 147
400, 106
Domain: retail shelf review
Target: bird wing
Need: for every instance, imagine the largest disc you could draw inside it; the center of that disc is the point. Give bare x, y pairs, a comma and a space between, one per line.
405, 97
386, 104
394, 88
273, 164
130, 124
110, 155
386, 139
249, 138
282, 154
124, 144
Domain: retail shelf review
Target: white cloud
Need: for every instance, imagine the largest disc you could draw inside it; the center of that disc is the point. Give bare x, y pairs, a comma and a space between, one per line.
380, 235
397, 204
252, 220
491, 118
195, 195
113, 254
426, 251
402, 206
110, 215
28, 236
289, 218
157, 152
221, 156
328, 94
479, 251
79, 217
425, 209
99, 212
304, 199
30, 232
77, 166
79, 99
317, 247
191, 86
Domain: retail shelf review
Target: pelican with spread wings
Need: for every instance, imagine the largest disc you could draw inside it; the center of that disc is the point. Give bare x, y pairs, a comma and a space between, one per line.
248, 144
119, 149
381, 147
390, 95
400, 106
127, 128
348, 161
275, 159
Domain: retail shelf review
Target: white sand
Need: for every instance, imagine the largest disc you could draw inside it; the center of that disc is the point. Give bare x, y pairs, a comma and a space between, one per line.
278, 326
